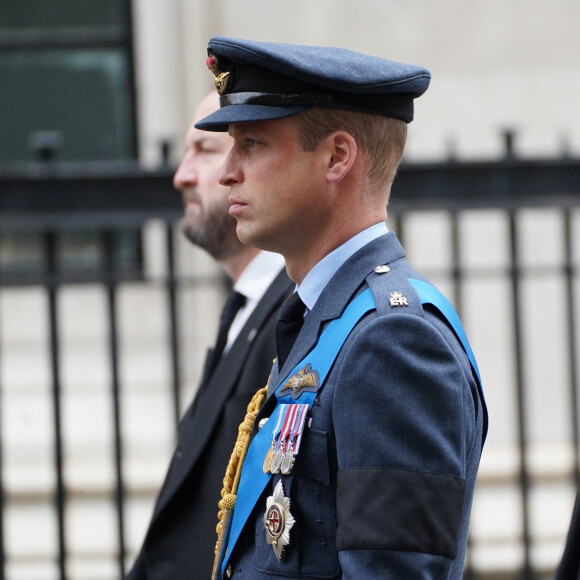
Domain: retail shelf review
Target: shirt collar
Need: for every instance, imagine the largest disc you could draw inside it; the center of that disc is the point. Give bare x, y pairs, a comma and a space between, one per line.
320, 275
259, 274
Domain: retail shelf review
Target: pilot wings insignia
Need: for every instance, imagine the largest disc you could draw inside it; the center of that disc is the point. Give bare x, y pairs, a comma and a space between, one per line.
305, 379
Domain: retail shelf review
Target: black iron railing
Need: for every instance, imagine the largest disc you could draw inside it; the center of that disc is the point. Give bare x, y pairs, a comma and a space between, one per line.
112, 198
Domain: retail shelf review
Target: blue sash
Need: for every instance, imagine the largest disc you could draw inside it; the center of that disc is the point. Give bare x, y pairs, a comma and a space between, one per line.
430, 295
253, 480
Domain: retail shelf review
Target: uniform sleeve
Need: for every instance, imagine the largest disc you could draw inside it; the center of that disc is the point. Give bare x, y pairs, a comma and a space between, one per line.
403, 418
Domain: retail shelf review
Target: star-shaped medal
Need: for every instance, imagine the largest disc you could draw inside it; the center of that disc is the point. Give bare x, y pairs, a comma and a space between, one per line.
278, 520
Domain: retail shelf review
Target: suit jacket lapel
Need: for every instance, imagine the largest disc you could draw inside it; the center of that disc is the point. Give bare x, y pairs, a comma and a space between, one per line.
211, 400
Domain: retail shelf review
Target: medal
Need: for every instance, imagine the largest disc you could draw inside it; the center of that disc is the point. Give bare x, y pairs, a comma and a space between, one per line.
268, 460
287, 462
286, 438
276, 462
278, 520
286, 414
288, 454
293, 444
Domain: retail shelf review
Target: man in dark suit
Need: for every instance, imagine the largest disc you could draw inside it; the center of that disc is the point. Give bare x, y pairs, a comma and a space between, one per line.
180, 540
569, 568
364, 456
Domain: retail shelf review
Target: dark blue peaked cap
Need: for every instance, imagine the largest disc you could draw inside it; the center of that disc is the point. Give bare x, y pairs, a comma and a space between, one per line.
258, 81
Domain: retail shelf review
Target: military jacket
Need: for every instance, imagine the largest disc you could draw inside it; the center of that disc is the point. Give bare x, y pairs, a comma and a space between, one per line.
383, 482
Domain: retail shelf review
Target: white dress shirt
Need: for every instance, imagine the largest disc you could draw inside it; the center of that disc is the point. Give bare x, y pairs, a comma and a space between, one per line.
253, 283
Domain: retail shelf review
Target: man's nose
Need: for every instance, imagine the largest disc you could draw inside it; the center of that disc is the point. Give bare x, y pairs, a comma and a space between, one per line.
186, 175
229, 173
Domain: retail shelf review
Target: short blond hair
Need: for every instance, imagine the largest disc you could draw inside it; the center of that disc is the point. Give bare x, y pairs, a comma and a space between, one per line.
382, 139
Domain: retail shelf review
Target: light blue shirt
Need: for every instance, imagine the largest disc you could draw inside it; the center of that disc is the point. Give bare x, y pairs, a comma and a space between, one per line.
316, 280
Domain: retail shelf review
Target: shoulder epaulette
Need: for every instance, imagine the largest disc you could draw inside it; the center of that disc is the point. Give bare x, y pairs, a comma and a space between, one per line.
392, 291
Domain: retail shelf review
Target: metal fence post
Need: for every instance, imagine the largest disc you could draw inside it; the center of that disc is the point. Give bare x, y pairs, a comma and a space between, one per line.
569, 272
52, 284
111, 281
515, 273
2, 553
172, 284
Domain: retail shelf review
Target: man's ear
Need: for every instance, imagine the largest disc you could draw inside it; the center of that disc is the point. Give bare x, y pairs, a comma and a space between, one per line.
343, 152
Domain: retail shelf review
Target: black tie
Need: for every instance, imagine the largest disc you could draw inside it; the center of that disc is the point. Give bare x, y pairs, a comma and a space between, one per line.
234, 302
290, 320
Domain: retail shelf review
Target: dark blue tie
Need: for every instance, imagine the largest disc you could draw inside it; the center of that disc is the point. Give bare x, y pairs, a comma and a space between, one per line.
290, 320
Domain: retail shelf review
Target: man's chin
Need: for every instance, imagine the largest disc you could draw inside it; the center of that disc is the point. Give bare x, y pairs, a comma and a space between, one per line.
253, 239
190, 230
243, 234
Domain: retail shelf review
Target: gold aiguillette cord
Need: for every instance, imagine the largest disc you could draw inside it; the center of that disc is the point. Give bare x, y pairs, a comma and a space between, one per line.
233, 473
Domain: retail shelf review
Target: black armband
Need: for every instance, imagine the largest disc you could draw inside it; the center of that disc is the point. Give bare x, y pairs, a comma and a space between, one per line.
399, 509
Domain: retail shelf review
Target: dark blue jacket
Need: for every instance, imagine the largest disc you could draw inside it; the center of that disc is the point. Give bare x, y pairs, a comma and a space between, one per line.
383, 483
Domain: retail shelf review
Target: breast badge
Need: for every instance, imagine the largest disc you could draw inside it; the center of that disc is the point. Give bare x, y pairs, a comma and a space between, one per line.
306, 379
278, 520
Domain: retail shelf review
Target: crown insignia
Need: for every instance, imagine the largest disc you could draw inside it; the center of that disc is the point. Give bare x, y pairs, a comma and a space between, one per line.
397, 299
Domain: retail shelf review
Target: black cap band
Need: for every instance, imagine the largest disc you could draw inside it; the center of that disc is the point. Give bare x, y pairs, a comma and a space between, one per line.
277, 100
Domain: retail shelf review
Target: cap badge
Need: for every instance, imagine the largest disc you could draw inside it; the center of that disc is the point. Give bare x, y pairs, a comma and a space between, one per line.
278, 520
220, 78
397, 299
305, 379
212, 63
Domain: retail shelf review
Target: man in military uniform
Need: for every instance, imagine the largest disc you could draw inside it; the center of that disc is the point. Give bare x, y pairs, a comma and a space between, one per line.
364, 456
